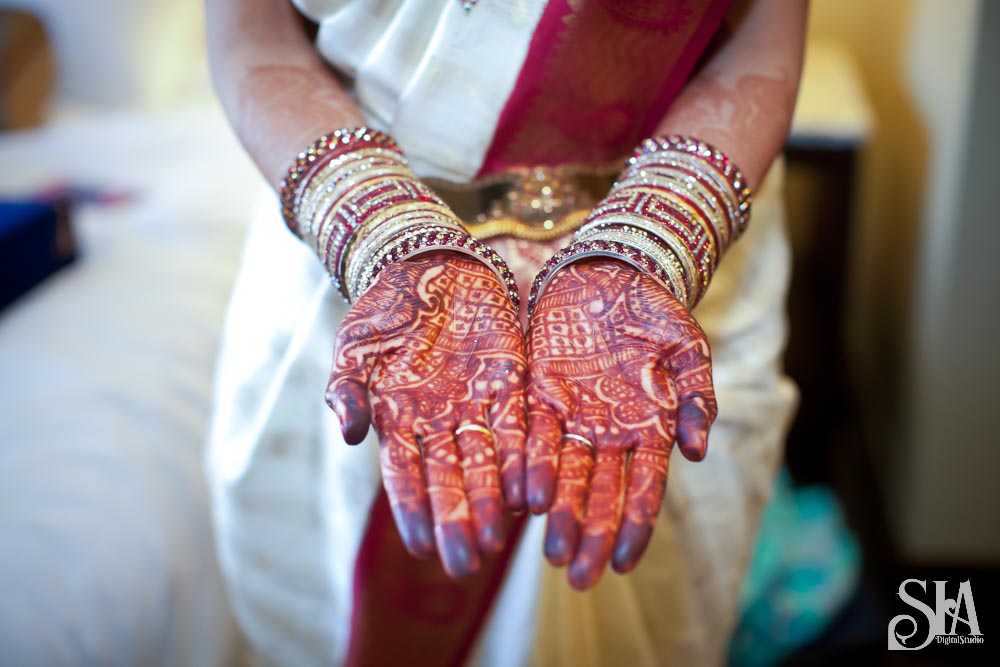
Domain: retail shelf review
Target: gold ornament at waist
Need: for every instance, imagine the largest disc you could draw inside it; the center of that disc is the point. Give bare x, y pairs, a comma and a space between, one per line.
534, 203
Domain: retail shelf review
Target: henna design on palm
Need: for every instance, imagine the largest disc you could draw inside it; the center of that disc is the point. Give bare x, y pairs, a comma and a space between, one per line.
615, 358
435, 344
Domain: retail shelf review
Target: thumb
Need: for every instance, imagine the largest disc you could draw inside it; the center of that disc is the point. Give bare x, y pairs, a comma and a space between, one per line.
355, 353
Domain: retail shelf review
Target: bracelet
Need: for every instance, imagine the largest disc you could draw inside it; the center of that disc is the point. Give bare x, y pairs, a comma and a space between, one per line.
673, 212
707, 155
628, 232
645, 209
423, 239
353, 198
379, 233
603, 248
329, 145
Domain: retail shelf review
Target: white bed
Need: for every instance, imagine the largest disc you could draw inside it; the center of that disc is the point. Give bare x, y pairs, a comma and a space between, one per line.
106, 551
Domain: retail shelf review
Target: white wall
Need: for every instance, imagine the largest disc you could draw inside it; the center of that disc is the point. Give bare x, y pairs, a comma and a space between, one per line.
947, 493
914, 338
136, 53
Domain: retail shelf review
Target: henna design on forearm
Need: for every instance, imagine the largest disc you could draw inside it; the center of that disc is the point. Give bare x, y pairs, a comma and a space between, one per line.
747, 117
433, 345
615, 358
295, 103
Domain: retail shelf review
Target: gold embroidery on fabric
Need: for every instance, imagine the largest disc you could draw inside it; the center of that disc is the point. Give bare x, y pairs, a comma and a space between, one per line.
533, 203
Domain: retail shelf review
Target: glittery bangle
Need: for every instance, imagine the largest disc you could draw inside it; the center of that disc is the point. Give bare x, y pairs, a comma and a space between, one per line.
353, 197
710, 156
360, 257
677, 263
325, 148
603, 248
369, 265
682, 175
335, 174
673, 212
686, 193
423, 239
656, 245
338, 187
643, 209
665, 214
361, 217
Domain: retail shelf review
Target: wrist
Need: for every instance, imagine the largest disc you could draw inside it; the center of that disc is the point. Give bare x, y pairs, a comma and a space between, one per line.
354, 199
448, 245
673, 212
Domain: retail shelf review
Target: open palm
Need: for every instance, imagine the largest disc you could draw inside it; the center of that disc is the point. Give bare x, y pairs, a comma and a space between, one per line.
432, 355
617, 371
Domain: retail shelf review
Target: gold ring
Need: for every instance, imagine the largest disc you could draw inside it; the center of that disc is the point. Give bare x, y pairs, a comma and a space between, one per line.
580, 438
472, 427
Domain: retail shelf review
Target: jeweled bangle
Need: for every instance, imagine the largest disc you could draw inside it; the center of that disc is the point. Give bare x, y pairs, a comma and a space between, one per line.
328, 193
671, 256
331, 175
353, 197
641, 211
327, 147
710, 156
673, 212
666, 275
698, 187
690, 194
361, 257
423, 239
655, 244
651, 210
374, 217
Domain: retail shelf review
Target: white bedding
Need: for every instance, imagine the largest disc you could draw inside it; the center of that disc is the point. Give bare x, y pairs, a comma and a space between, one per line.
106, 553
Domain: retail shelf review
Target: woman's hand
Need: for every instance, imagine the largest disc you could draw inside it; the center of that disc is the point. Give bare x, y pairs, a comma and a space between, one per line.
617, 370
433, 355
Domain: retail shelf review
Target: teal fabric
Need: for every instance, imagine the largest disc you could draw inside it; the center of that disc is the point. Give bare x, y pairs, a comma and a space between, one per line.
804, 569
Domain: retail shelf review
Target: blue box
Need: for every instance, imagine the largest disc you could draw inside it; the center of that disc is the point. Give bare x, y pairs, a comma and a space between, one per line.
36, 240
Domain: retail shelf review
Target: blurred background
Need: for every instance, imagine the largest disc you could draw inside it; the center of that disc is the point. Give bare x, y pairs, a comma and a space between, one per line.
123, 200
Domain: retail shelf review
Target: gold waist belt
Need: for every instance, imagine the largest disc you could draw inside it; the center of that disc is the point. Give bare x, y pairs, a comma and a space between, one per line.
534, 203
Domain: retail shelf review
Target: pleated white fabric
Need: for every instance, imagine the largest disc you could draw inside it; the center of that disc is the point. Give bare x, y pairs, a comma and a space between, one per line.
679, 606
429, 73
291, 499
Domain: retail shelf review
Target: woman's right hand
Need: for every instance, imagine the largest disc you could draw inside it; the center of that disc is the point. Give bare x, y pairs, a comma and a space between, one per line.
433, 356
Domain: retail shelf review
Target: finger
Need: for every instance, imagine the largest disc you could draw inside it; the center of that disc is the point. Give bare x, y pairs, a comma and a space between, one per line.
508, 423
542, 451
354, 355
452, 523
691, 369
694, 419
482, 483
403, 479
604, 509
562, 532
647, 480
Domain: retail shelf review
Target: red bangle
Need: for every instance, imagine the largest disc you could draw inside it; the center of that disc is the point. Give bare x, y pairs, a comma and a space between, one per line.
324, 149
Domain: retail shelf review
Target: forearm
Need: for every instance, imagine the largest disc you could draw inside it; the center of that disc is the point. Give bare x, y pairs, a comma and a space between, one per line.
743, 98
278, 93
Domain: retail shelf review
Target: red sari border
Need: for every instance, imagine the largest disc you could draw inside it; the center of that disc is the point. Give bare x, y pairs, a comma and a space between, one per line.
542, 123
407, 611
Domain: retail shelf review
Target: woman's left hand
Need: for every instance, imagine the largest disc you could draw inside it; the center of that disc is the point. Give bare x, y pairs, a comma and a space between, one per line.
617, 370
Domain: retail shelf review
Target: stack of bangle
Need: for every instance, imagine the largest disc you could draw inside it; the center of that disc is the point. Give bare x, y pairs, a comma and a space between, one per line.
674, 211
354, 199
